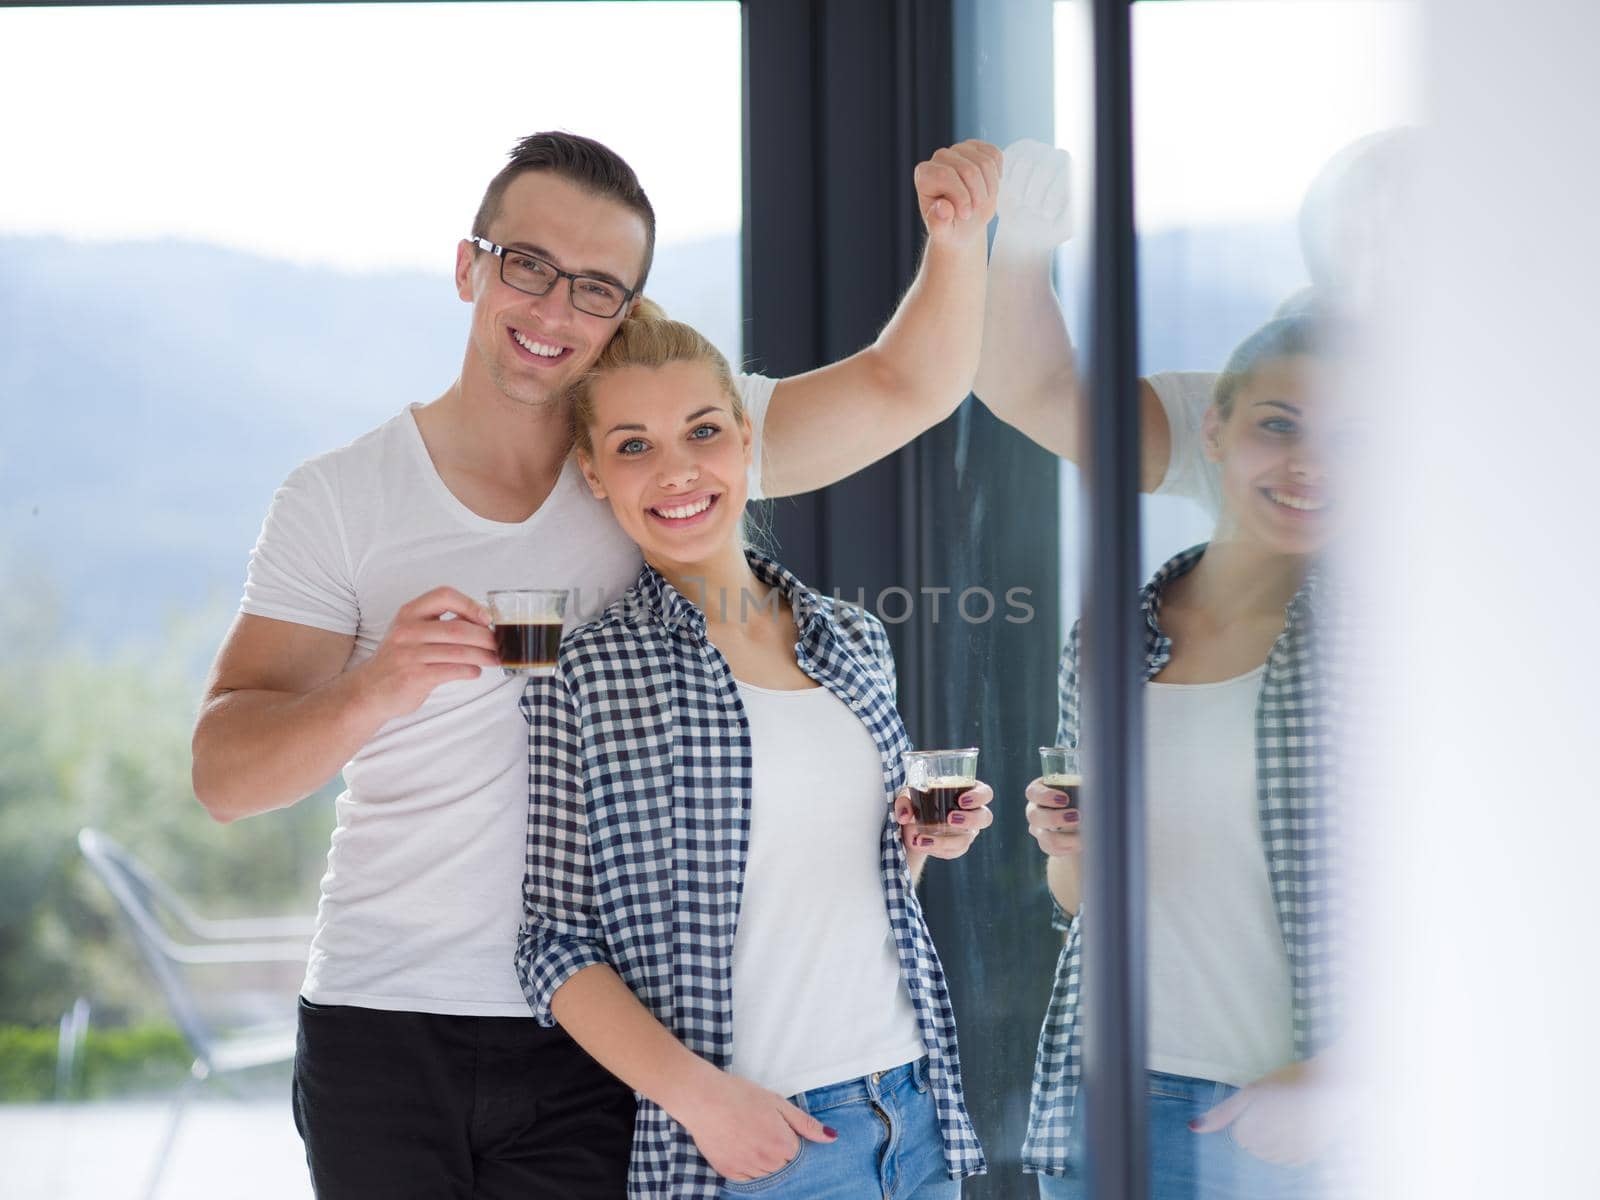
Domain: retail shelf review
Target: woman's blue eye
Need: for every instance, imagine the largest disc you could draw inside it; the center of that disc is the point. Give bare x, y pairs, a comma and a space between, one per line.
1278, 425
704, 432
632, 446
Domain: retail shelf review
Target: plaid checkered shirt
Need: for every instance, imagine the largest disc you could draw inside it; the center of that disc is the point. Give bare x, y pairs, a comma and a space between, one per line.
1294, 777
638, 831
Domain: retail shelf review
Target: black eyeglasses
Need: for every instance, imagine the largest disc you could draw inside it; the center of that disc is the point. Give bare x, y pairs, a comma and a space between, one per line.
531, 274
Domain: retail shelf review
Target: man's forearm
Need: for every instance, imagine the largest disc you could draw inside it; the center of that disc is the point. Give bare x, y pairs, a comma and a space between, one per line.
931, 344
255, 750
838, 419
1027, 375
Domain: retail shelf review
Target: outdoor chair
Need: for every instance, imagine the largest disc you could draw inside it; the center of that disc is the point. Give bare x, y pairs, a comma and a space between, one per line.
173, 942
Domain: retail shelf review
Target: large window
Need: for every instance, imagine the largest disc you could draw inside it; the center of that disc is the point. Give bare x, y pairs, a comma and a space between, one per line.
226, 242
226, 239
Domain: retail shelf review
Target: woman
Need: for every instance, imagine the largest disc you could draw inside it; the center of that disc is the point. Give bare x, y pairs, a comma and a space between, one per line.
1237, 776
719, 901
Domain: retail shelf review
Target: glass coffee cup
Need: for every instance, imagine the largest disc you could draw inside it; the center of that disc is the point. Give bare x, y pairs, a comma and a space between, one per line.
937, 780
1060, 770
527, 628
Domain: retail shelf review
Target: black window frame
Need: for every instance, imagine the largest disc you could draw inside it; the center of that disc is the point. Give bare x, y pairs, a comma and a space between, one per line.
842, 97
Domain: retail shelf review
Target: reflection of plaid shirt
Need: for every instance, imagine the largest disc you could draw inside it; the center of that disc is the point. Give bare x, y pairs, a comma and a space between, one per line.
1294, 768
638, 831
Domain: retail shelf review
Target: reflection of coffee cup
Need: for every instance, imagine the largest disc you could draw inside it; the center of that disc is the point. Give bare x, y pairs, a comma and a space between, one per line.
936, 781
1060, 771
527, 629
1065, 783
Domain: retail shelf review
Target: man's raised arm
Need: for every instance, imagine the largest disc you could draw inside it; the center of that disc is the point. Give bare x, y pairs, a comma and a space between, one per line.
832, 422
1027, 373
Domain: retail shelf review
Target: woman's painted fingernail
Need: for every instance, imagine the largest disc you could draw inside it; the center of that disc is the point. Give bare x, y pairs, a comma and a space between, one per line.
969, 799
924, 841
1070, 816
830, 1131
957, 818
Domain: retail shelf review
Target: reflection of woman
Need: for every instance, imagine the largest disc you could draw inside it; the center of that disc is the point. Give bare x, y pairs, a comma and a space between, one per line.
719, 899
1240, 988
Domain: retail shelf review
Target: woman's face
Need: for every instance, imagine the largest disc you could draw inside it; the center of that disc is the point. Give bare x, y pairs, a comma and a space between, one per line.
1274, 450
670, 458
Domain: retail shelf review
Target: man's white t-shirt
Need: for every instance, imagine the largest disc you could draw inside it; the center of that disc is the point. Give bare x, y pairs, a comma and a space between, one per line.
422, 898
1185, 395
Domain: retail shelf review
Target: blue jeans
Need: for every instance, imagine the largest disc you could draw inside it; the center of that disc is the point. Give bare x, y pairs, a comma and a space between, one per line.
1185, 1165
889, 1144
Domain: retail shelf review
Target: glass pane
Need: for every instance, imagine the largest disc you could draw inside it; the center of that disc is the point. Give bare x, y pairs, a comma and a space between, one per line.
227, 237
1030, 90
1270, 145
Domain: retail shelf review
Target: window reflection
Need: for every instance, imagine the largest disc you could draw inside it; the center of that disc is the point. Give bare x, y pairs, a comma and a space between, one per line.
1270, 159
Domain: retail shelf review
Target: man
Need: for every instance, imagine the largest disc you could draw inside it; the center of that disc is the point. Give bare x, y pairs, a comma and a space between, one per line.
361, 645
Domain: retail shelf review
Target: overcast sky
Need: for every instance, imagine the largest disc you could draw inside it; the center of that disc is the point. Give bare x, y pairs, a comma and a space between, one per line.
362, 135
1237, 103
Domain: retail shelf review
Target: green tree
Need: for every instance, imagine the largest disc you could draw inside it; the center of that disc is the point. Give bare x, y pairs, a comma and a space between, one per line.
89, 738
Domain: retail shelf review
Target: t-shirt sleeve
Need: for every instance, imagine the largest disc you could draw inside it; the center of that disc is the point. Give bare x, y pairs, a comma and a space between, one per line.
756, 392
300, 570
1185, 395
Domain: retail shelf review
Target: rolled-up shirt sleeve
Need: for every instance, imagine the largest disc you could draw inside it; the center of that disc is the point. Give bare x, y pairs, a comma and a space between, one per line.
561, 929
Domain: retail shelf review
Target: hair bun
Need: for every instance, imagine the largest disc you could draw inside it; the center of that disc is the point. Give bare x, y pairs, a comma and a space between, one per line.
647, 310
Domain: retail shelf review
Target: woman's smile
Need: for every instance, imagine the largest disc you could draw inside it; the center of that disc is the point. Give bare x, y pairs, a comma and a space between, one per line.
684, 512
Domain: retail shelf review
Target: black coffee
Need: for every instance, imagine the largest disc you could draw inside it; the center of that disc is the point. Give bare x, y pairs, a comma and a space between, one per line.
933, 803
1068, 784
530, 647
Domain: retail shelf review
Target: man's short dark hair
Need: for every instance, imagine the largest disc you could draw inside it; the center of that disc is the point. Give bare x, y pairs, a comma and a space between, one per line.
584, 162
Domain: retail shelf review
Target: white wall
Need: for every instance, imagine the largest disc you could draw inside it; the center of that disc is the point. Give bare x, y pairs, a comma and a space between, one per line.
1487, 879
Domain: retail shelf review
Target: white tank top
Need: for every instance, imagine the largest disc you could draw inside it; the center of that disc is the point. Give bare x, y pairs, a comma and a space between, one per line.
817, 992
1220, 1003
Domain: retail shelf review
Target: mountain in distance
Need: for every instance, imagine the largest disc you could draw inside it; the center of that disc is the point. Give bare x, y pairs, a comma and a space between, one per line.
154, 394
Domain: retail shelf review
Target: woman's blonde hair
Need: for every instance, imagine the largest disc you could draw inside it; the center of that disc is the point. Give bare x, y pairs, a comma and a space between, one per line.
1285, 337
647, 337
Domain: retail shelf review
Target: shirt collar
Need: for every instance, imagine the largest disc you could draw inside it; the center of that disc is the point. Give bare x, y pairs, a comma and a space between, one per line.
1158, 646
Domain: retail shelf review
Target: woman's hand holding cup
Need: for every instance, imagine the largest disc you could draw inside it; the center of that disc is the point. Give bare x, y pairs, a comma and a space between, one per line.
1052, 809
964, 823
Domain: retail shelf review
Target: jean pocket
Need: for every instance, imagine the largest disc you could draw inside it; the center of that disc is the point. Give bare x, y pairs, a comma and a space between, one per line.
754, 1187
1155, 1089
1255, 1173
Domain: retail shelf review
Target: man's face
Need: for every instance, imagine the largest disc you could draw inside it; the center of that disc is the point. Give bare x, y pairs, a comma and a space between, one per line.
532, 347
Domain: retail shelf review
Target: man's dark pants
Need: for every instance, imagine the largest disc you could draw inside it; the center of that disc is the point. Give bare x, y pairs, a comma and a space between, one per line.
397, 1105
